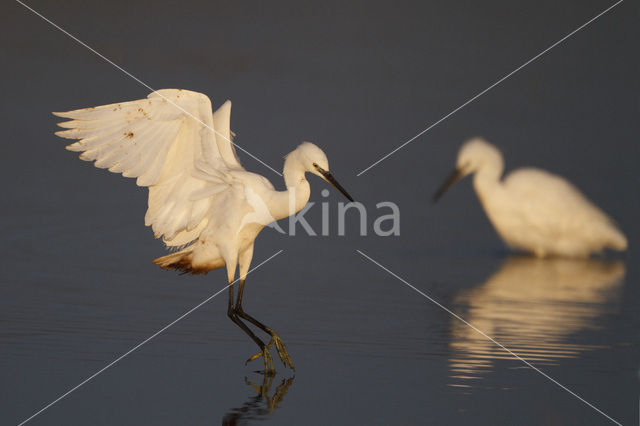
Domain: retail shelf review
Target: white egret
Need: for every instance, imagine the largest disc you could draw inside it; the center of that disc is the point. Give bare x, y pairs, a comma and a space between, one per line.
534, 210
202, 202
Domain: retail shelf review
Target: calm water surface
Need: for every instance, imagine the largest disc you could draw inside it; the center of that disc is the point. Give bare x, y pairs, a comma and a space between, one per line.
373, 351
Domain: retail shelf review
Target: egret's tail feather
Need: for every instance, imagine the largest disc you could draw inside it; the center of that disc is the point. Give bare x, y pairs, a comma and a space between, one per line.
618, 241
183, 261
180, 261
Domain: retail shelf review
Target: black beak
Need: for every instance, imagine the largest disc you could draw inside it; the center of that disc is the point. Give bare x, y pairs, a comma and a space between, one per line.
453, 178
329, 178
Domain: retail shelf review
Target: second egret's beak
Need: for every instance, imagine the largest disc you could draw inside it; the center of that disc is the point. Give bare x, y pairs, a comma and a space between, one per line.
329, 178
452, 179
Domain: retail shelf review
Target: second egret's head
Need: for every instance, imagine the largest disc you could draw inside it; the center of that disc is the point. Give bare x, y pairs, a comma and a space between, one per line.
474, 155
314, 160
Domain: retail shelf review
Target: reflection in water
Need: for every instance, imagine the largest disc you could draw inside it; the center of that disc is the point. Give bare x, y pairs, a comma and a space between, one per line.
258, 406
531, 306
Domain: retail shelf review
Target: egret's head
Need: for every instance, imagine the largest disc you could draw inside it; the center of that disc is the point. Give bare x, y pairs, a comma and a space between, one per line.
314, 160
474, 154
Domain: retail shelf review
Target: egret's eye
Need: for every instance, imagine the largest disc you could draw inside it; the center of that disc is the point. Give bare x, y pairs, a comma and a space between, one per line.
315, 165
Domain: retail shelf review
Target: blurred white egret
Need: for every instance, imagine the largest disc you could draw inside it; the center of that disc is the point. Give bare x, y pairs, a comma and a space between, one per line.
201, 200
532, 209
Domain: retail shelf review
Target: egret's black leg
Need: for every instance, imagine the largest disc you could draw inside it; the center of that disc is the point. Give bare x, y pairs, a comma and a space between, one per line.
275, 339
231, 313
243, 314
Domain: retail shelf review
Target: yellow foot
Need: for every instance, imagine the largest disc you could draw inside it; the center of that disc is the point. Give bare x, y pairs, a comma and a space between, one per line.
268, 361
282, 350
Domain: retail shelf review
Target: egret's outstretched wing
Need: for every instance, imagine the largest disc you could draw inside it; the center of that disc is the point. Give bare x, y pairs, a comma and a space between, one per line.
172, 143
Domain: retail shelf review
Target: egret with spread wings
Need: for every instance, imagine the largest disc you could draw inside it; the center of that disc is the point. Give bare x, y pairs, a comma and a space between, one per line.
202, 202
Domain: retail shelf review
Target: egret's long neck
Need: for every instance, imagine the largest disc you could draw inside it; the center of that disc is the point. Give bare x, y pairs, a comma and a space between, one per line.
295, 197
486, 179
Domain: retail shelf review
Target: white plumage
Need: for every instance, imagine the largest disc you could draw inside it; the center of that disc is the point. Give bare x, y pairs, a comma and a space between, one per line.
181, 161
534, 210
199, 194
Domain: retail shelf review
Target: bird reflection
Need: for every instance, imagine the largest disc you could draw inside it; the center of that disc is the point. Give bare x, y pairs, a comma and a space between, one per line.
260, 405
532, 306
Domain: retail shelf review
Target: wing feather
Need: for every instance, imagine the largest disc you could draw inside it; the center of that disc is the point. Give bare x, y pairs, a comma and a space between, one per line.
172, 143
547, 198
224, 137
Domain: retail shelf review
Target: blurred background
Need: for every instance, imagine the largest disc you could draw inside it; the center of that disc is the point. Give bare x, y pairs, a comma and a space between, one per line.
78, 288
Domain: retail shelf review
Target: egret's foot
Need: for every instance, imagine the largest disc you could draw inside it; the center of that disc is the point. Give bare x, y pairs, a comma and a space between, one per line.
282, 350
268, 361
